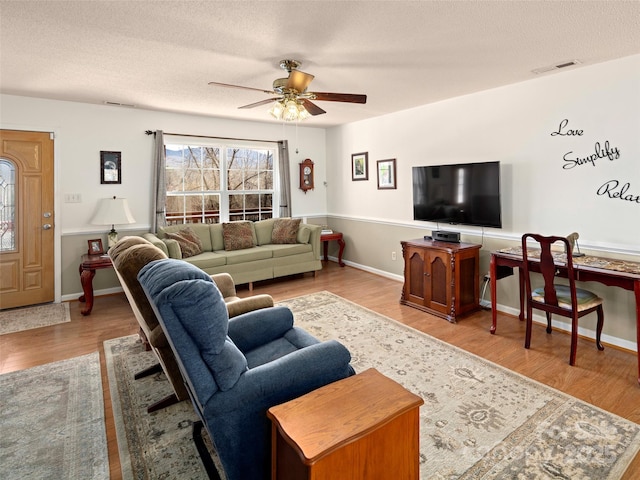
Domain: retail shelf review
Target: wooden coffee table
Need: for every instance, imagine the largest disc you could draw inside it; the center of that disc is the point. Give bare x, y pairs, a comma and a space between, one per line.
365, 426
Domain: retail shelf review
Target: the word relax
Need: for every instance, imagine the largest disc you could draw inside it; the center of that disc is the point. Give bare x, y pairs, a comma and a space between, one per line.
566, 133
612, 189
612, 153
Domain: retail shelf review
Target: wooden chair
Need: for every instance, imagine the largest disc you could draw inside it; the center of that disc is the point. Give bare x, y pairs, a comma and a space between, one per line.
565, 300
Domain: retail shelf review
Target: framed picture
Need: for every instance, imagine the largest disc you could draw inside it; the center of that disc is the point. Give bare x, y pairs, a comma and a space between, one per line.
110, 167
387, 174
95, 247
360, 166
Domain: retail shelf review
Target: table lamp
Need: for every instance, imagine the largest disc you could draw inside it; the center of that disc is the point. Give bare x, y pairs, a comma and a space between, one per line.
113, 211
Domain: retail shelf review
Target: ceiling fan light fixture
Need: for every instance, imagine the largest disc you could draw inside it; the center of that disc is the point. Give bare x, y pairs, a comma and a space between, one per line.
290, 111
303, 114
277, 110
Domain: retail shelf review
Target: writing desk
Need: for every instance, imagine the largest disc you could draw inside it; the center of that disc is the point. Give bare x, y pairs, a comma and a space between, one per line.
614, 273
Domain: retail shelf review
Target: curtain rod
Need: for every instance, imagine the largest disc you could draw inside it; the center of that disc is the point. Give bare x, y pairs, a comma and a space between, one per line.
151, 132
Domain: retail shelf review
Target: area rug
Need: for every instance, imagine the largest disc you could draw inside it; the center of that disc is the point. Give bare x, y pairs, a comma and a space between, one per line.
26, 318
52, 422
479, 420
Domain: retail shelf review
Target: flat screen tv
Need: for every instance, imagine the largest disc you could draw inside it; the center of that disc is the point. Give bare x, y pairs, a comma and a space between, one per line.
465, 193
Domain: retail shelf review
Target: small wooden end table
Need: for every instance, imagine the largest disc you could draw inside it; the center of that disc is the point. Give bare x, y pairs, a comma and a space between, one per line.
325, 238
88, 266
364, 427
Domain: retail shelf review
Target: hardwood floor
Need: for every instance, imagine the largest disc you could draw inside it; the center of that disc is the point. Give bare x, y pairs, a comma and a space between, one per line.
606, 379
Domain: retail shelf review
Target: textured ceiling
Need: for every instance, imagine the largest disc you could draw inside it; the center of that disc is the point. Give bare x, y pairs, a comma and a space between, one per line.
160, 55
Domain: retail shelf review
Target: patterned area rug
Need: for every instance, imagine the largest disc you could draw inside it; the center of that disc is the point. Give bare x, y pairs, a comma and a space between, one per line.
52, 422
479, 421
26, 318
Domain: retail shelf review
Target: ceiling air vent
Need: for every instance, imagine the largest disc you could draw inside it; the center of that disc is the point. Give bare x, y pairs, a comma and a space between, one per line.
559, 66
118, 104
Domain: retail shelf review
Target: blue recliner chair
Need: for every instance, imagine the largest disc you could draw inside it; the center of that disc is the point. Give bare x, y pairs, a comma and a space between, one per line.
235, 370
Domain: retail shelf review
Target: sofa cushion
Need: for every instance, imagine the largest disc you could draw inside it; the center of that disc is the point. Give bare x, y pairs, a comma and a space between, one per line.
200, 229
264, 228
304, 234
207, 260
189, 242
285, 230
248, 255
284, 250
238, 235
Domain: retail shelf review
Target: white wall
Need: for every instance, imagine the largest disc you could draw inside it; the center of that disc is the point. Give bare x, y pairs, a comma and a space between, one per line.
83, 130
514, 125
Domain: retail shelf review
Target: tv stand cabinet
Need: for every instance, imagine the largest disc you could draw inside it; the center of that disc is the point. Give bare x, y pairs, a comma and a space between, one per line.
441, 278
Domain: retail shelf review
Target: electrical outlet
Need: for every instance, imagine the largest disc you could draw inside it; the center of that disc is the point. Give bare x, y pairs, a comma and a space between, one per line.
393, 256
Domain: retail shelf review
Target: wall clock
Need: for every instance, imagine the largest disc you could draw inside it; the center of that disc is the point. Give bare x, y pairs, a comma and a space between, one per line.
306, 175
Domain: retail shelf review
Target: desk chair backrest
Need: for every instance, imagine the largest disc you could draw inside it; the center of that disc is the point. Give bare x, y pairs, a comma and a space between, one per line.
561, 299
548, 264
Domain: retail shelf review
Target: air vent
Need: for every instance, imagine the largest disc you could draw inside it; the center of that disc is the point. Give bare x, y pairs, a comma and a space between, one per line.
559, 66
118, 104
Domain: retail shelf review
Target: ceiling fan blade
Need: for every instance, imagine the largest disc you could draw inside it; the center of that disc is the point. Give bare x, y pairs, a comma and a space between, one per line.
340, 97
261, 102
312, 108
270, 92
299, 81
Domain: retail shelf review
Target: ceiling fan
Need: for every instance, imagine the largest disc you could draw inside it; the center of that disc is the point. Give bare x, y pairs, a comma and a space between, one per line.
291, 99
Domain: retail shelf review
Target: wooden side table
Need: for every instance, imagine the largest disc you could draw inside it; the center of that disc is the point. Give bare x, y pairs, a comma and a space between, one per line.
363, 427
88, 266
325, 238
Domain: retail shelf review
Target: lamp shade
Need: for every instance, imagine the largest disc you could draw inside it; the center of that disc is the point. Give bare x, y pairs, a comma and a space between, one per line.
113, 211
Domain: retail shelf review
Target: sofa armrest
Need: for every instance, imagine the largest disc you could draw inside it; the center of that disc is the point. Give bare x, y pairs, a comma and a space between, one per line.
287, 377
153, 238
252, 329
173, 247
314, 239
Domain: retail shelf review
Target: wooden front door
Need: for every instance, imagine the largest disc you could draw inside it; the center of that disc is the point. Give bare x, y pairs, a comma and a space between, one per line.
26, 218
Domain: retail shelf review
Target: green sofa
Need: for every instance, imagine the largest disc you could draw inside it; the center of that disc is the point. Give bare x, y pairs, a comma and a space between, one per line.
262, 260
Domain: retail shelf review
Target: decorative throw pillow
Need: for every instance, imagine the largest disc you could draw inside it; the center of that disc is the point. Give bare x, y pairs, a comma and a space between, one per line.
237, 235
285, 230
189, 242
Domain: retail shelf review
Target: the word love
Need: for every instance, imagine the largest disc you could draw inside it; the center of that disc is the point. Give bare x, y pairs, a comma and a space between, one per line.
563, 131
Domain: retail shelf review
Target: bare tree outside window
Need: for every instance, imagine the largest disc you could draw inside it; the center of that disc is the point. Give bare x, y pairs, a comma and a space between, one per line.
208, 184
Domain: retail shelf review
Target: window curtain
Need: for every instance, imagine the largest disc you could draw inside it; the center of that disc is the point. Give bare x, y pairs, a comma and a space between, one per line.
158, 201
285, 182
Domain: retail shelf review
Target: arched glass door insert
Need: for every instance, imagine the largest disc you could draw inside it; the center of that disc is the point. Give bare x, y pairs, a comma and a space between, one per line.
7, 205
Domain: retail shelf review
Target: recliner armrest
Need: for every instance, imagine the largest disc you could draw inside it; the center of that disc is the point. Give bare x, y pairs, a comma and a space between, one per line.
286, 378
255, 328
249, 304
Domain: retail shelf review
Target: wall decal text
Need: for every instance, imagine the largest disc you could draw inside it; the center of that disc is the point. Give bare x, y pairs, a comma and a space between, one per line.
612, 189
566, 133
612, 153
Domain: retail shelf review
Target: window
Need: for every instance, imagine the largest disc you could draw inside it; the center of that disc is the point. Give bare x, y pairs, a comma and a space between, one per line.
219, 182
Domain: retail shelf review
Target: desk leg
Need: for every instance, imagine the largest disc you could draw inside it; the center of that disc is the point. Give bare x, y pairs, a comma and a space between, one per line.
86, 278
341, 243
494, 281
325, 246
636, 290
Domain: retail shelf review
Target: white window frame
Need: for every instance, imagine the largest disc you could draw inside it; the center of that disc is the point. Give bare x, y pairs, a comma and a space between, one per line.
223, 146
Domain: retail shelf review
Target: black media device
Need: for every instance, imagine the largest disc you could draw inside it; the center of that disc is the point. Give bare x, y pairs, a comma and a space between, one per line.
465, 193
444, 236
